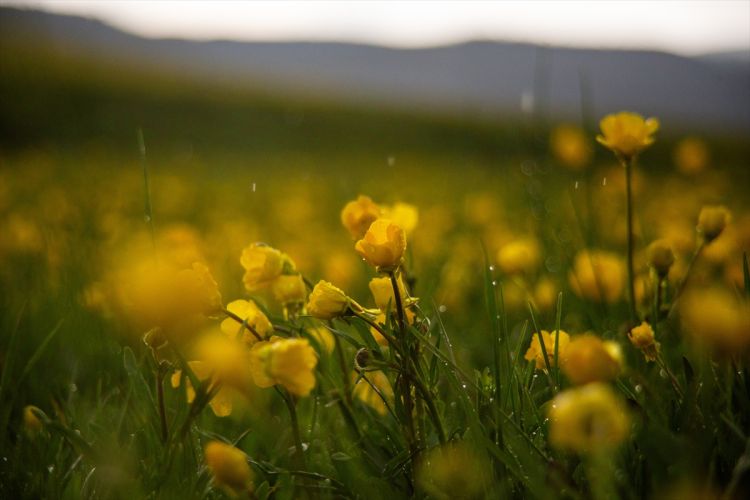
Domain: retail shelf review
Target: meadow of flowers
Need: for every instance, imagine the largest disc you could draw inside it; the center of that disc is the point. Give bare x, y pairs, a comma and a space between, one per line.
570, 321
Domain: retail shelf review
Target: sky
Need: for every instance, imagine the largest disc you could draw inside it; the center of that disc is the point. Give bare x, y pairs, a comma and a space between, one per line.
683, 27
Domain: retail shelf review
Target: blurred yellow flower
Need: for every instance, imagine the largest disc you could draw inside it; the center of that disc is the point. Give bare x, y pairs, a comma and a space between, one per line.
380, 319
383, 245
323, 337
712, 220
289, 289
262, 264
714, 317
199, 289
545, 294
229, 468
626, 133
642, 337
226, 359
382, 292
691, 155
570, 146
660, 257
250, 314
588, 419
31, 423
286, 362
221, 404
357, 215
519, 256
589, 359
598, 276
453, 471
535, 353
367, 395
327, 301
404, 215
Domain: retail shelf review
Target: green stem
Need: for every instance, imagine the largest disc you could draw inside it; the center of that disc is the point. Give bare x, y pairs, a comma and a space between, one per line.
631, 278
160, 373
243, 323
292, 407
344, 370
681, 286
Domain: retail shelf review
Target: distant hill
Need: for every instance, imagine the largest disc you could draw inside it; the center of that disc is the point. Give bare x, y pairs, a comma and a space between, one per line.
482, 78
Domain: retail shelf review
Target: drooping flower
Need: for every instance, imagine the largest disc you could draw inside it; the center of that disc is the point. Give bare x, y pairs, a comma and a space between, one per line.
642, 337
626, 133
383, 245
229, 468
589, 359
535, 353
286, 362
357, 215
598, 276
253, 318
327, 301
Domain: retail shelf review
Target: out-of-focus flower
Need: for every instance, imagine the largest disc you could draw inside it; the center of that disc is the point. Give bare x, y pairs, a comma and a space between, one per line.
570, 146
535, 353
31, 423
404, 215
545, 294
252, 316
286, 362
327, 301
589, 359
452, 471
229, 468
382, 292
588, 419
519, 256
691, 155
226, 359
642, 337
713, 316
626, 133
289, 289
380, 319
712, 220
199, 289
660, 257
341, 268
323, 337
383, 245
357, 215
221, 404
262, 264
365, 393
598, 276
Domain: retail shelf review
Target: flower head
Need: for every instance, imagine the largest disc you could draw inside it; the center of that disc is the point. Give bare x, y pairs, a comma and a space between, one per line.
286, 362
357, 215
589, 359
383, 244
714, 317
289, 289
598, 276
222, 401
535, 353
660, 257
570, 146
627, 134
404, 215
327, 301
642, 337
31, 423
519, 256
252, 317
691, 155
263, 264
712, 220
229, 468
453, 470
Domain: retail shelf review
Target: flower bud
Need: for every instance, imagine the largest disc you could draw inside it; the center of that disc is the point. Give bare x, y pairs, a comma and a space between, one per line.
642, 337
660, 257
362, 359
383, 245
327, 301
712, 221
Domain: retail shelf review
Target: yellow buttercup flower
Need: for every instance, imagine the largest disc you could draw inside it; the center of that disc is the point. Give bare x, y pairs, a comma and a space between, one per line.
404, 215
570, 146
588, 419
535, 353
199, 289
453, 471
598, 276
383, 245
289, 289
229, 468
327, 301
380, 319
221, 404
589, 359
660, 257
227, 359
31, 423
627, 134
519, 256
252, 316
712, 220
287, 362
714, 317
545, 294
691, 155
323, 337
642, 337
263, 264
357, 215
367, 395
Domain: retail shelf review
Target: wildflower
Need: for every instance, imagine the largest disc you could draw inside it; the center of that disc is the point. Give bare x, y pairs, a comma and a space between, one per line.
229, 468
404, 215
358, 215
519, 256
323, 337
287, 362
597, 276
660, 257
382, 292
588, 419
545, 294
199, 290
453, 470
289, 289
589, 359
714, 317
31, 423
367, 395
263, 264
627, 134
226, 359
327, 301
383, 245
712, 220
221, 403
570, 146
642, 337
379, 338
691, 155
252, 317
534, 351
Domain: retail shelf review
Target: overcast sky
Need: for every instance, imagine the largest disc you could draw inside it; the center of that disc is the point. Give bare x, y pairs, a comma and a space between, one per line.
686, 27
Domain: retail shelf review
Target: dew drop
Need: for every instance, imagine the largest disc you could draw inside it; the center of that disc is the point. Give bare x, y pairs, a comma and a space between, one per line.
576, 186
252, 187
639, 388
442, 308
604, 181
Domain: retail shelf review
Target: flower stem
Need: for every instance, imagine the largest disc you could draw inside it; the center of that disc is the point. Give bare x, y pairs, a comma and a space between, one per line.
160, 373
681, 286
631, 278
292, 407
243, 323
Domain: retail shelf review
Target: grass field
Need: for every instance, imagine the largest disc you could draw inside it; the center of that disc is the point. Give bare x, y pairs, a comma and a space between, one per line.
122, 367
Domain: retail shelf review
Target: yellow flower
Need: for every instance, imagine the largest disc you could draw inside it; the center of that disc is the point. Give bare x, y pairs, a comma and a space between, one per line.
31, 423
713, 316
598, 276
588, 359
453, 471
221, 404
358, 215
627, 134
263, 264
588, 419
691, 155
545, 294
229, 468
404, 215
570, 146
642, 337
383, 245
200, 290
382, 292
519, 256
289, 289
252, 316
226, 359
323, 337
380, 320
535, 351
287, 362
327, 301
712, 221
365, 393
660, 257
